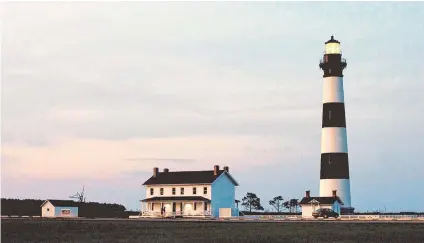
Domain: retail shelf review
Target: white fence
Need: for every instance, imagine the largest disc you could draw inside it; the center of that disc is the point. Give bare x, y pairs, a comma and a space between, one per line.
291, 217
342, 217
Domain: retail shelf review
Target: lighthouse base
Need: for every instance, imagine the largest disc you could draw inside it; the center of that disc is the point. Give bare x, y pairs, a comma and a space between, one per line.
347, 210
342, 187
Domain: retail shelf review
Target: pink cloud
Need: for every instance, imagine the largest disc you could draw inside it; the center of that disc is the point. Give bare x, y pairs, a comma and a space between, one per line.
103, 159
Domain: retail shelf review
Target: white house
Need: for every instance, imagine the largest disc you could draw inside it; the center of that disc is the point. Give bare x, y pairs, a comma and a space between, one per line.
59, 208
310, 204
190, 193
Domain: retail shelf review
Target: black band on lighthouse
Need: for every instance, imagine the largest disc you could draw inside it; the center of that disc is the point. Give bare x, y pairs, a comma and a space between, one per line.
334, 166
333, 115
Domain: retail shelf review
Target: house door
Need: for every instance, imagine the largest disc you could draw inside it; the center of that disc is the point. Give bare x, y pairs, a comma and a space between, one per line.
174, 207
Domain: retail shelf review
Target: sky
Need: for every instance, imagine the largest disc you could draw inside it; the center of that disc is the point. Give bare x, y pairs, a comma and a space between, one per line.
97, 94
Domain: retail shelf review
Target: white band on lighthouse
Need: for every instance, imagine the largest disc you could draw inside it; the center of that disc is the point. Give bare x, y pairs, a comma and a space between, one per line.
333, 90
333, 140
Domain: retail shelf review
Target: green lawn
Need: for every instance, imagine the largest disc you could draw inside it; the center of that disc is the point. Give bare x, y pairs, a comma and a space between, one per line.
194, 232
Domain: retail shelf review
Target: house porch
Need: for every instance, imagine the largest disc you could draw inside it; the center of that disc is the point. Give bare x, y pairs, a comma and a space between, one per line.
176, 206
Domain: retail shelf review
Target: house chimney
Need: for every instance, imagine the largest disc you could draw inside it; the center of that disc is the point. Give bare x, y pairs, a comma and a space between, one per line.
155, 171
308, 194
226, 169
334, 193
165, 170
215, 169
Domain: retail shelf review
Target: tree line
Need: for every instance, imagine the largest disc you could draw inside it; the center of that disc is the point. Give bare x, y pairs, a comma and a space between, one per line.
251, 202
32, 207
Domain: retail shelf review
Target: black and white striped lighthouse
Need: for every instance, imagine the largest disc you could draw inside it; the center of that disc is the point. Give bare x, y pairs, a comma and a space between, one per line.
334, 173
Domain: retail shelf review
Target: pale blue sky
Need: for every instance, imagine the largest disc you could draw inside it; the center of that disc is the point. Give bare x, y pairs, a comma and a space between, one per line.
98, 94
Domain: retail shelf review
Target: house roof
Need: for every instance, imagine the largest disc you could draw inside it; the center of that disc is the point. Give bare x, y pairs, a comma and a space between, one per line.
187, 177
180, 198
321, 200
62, 203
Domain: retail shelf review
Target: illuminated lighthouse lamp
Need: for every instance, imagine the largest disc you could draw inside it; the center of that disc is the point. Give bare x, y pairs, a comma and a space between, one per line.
332, 46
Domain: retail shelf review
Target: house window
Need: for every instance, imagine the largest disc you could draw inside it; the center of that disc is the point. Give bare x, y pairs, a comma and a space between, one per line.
161, 191
206, 206
194, 205
48, 209
182, 190
173, 191
194, 190
152, 206
205, 190
66, 212
151, 191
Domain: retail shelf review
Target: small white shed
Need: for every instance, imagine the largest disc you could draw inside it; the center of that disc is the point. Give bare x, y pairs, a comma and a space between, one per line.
310, 204
59, 208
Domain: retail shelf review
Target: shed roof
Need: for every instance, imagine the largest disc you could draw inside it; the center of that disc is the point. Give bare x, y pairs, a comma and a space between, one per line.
321, 200
62, 203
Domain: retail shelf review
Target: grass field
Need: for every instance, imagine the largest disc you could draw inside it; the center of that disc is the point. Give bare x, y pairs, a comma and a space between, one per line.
208, 232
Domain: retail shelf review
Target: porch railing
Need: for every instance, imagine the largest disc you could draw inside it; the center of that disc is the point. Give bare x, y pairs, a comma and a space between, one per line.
177, 213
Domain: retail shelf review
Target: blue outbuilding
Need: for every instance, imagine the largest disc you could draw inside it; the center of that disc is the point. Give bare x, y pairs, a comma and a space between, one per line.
59, 208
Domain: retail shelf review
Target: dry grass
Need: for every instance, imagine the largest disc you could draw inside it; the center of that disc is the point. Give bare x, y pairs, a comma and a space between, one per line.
207, 232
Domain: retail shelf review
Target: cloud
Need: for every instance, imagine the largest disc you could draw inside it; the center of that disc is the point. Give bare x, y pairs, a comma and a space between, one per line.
101, 159
162, 159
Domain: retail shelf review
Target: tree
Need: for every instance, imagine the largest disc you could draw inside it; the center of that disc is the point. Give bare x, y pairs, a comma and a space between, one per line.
277, 202
251, 202
286, 204
79, 196
294, 204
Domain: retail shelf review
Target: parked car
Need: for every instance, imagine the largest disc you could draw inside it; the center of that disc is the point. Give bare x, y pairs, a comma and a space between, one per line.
325, 213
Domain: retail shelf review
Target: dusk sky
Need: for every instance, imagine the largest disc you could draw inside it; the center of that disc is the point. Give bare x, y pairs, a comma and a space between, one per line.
97, 94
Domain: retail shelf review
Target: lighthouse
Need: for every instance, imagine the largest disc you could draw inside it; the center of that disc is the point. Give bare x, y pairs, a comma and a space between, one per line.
334, 174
